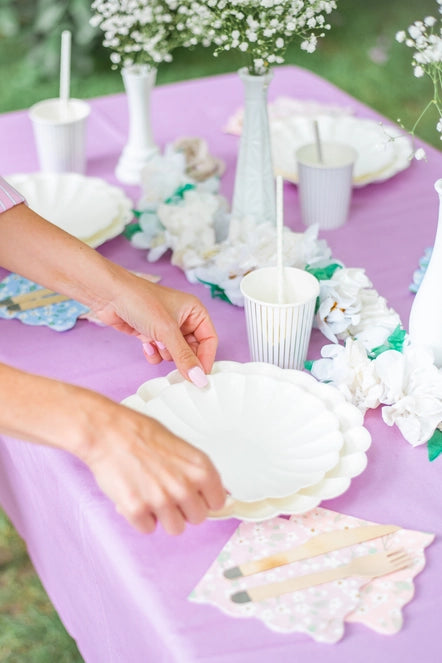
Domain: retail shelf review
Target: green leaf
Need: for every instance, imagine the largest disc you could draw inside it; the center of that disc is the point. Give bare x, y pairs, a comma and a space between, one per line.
434, 445
178, 194
323, 273
131, 230
394, 342
216, 292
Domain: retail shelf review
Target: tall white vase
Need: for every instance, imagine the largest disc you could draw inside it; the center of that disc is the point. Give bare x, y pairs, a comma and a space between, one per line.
254, 190
140, 148
425, 323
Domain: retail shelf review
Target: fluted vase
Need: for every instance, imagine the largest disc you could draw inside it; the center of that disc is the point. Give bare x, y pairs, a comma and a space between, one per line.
139, 80
425, 323
254, 188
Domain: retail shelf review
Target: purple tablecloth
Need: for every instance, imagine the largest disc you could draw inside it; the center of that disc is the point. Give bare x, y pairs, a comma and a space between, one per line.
122, 595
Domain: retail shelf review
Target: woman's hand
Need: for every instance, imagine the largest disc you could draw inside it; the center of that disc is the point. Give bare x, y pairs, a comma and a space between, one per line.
150, 474
172, 325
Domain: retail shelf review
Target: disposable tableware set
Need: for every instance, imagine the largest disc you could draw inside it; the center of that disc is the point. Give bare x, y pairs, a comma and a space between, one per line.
315, 572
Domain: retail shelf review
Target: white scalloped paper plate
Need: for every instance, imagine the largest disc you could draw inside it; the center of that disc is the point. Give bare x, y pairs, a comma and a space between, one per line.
87, 207
383, 150
281, 441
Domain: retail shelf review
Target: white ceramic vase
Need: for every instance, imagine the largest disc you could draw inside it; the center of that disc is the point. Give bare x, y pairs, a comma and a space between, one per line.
140, 148
425, 323
254, 190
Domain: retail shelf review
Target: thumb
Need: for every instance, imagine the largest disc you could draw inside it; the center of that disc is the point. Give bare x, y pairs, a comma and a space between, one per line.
185, 360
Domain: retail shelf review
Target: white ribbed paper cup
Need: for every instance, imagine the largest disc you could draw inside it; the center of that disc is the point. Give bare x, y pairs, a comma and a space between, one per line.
60, 134
325, 186
279, 332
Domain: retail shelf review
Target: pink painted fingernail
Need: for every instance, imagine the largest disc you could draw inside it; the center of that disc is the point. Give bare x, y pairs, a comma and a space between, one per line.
148, 349
198, 377
160, 345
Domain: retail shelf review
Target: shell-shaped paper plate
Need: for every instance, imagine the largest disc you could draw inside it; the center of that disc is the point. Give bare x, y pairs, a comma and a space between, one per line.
383, 150
281, 441
87, 207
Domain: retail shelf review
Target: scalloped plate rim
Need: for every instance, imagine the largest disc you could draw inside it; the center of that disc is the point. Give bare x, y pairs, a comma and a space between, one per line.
289, 471
295, 503
401, 153
123, 205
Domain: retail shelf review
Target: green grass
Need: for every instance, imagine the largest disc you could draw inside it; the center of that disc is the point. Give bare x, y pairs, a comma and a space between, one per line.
363, 32
30, 629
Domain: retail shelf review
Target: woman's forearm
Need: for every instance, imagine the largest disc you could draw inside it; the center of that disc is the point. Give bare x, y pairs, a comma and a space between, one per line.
148, 472
35, 408
42, 252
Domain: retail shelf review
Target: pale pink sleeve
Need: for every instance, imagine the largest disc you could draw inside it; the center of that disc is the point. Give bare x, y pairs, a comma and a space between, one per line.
8, 196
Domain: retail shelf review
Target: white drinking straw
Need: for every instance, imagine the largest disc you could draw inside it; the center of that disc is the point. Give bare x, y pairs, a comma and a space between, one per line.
318, 141
65, 66
279, 227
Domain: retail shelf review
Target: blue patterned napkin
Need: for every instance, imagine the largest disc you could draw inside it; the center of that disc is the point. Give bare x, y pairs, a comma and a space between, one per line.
419, 274
60, 317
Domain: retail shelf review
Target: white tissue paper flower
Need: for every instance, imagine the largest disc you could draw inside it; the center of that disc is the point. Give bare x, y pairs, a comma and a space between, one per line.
162, 176
190, 227
239, 255
350, 370
377, 320
340, 302
417, 409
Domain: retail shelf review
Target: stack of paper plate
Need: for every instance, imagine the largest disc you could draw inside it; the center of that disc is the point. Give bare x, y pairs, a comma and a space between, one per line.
383, 150
281, 441
87, 207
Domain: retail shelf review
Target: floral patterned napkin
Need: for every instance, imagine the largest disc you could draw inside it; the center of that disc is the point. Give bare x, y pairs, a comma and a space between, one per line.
60, 317
319, 611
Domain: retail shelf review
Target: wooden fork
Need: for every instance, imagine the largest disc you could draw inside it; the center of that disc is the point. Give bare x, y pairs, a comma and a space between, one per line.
370, 566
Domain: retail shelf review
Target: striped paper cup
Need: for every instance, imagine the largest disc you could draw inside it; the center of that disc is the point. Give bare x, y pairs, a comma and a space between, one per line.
60, 134
325, 186
279, 327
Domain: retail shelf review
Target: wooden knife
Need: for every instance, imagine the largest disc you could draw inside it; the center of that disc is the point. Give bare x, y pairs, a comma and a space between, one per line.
317, 545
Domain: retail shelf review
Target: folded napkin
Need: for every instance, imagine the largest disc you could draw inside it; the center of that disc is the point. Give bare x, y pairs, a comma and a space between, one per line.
60, 316
319, 611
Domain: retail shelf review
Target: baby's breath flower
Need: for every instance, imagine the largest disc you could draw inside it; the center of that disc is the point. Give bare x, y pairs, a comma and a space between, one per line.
143, 31
425, 37
147, 31
262, 29
430, 21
